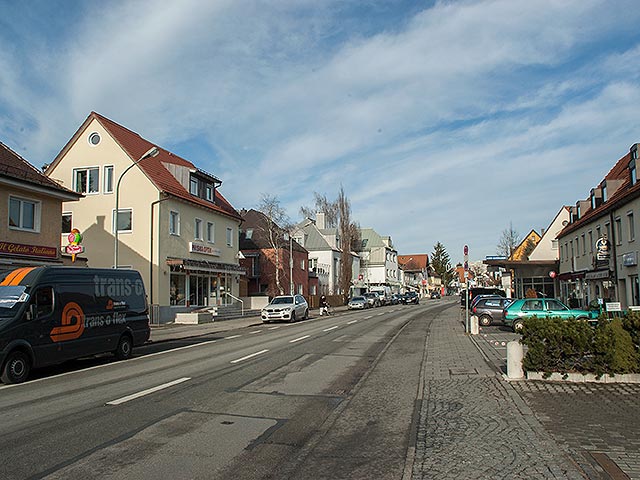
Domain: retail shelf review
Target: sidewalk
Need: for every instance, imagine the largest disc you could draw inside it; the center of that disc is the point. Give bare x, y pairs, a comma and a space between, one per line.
472, 423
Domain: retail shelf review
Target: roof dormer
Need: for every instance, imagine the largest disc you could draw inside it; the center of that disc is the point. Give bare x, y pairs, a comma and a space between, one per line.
609, 188
582, 207
633, 153
596, 197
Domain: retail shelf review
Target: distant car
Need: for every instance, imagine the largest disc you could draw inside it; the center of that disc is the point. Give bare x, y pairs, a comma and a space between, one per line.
411, 297
435, 294
489, 310
286, 307
519, 310
358, 303
373, 299
473, 292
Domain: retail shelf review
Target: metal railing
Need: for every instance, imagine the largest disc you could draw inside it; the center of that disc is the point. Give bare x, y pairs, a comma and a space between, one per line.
236, 298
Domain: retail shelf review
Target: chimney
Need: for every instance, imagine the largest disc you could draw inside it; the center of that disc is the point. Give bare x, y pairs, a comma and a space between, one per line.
320, 221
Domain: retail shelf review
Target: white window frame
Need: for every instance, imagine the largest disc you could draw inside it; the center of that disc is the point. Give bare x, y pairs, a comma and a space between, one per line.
197, 229
229, 237
88, 170
208, 189
211, 232
107, 179
193, 185
632, 226
174, 223
121, 211
37, 212
70, 215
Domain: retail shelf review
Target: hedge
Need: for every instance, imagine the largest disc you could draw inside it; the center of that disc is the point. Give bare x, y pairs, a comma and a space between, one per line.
575, 346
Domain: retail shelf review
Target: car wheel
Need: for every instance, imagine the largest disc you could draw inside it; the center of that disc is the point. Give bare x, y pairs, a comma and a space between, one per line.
293, 317
16, 368
125, 348
306, 314
485, 320
517, 326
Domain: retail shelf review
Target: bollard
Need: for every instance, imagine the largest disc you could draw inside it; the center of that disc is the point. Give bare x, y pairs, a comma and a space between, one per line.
515, 354
475, 326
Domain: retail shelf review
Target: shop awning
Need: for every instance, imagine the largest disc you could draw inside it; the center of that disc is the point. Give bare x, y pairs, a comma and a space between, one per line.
190, 265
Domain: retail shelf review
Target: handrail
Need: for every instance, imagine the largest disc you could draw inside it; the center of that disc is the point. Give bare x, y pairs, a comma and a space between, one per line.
241, 302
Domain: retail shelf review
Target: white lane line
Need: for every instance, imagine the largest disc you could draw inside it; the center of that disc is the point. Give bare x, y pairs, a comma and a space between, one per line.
232, 336
249, 356
368, 317
254, 332
274, 328
148, 391
354, 321
298, 339
381, 313
331, 328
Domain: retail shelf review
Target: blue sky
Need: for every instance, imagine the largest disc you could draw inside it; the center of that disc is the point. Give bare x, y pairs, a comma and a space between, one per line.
443, 121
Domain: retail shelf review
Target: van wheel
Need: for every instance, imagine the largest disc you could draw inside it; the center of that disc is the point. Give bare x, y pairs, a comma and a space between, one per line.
16, 368
125, 348
485, 320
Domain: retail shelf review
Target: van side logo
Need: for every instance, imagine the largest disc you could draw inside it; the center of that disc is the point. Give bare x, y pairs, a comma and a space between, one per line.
72, 323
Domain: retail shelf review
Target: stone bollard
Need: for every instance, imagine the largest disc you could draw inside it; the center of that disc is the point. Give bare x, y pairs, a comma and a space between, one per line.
475, 326
515, 354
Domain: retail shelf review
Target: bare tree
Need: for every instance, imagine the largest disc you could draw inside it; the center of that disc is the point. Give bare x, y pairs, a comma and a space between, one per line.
509, 241
275, 226
323, 205
349, 241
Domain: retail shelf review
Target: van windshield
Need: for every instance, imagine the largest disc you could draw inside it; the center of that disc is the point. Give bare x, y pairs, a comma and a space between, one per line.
11, 299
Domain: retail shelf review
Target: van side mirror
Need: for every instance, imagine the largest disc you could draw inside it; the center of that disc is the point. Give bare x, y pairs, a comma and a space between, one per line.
31, 312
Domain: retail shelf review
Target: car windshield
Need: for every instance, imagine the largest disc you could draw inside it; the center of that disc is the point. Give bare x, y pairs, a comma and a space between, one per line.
281, 300
11, 299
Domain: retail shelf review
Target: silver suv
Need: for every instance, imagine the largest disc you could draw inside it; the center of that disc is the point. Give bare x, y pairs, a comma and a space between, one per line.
286, 307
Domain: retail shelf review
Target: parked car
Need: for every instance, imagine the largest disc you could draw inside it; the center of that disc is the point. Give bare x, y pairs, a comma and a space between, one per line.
524, 308
435, 294
286, 307
490, 310
475, 291
411, 297
396, 298
358, 303
373, 299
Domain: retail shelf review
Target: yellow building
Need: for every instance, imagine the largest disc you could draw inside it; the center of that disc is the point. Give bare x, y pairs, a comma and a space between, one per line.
174, 226
526, 246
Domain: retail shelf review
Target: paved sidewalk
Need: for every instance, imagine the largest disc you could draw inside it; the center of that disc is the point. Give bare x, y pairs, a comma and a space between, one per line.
472, 423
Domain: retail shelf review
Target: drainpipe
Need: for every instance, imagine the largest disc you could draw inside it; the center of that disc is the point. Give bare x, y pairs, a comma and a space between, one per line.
153, 204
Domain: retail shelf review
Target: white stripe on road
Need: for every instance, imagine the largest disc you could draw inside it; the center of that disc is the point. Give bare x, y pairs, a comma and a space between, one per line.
147, 392
254, 332
298, 339
354, 321
249, 356
331, 328
274, 328
232, 336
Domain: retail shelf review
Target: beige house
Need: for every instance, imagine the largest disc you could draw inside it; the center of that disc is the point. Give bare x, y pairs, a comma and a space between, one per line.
30, 206
174, 226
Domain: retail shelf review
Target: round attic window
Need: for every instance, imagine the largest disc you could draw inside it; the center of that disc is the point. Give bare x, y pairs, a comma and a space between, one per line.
94, 138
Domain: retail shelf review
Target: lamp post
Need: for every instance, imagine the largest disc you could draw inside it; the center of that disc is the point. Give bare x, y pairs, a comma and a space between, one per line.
152, 152
290, 264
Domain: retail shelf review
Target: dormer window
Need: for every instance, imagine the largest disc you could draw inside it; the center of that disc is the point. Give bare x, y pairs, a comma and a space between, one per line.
632, 164
208, 189
203, 185
193, 186
604, 193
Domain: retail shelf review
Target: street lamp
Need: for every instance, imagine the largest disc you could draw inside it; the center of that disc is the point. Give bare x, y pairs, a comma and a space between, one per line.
152, 152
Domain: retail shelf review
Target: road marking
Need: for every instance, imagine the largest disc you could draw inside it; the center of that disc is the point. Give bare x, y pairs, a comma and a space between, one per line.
274, 328
331, 328
354, 321
148, 391
254, 332
249, 356
232, 336
368, 317
298, 339
381, 313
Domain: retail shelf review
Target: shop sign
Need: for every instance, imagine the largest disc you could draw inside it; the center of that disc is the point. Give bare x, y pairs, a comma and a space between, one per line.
28, 250
600, 275
204, 249
630, 259
613, 307
603, 250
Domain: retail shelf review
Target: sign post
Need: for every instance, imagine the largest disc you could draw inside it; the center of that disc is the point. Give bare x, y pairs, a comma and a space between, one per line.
466, 281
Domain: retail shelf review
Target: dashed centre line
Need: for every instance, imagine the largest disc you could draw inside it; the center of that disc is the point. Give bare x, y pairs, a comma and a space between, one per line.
299, 339
353, 321
232, 336
147, 392
238, 360
255, 331
331, 328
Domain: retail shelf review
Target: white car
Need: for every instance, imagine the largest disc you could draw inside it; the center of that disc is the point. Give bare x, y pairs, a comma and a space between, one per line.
286, 307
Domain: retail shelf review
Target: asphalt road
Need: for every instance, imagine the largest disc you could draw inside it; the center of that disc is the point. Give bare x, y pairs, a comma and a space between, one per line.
325, 398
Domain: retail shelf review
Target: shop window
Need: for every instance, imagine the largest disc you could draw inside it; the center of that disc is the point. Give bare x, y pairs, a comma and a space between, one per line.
177, 293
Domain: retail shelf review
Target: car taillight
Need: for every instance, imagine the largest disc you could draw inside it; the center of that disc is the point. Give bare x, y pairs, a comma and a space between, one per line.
474, 310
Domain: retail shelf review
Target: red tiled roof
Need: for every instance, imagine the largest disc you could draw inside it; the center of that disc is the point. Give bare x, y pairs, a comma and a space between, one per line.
136, 146
417, 262
618, 172
15, 167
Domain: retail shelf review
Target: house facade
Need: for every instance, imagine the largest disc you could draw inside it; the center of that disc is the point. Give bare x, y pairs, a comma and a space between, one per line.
598, 247
173, 224
31, 212
414, 271
378, 260
275, 262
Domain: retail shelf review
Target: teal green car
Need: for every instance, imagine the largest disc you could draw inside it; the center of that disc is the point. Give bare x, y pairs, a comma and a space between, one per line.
515, 313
